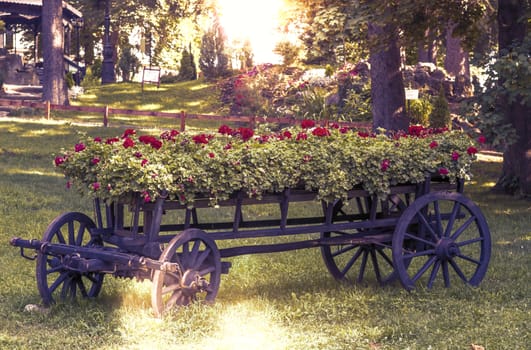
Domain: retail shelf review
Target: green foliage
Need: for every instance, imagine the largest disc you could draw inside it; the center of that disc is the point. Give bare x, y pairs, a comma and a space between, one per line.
328, 161
440, 115
508, 80
357, 105
187, 69
69, 78
420, 111
288, 51
213, 60
128, 64
314, 104
90, 79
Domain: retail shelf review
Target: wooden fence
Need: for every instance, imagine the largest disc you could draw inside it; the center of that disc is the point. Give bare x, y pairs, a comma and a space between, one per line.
106, 111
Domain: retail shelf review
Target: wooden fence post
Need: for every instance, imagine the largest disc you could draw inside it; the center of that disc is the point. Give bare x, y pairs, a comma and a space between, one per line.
47, 109
106, 116
183, 120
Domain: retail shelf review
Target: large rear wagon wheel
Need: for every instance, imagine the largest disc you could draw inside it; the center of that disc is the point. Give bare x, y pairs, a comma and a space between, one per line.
199, 277
54, 281
441, 238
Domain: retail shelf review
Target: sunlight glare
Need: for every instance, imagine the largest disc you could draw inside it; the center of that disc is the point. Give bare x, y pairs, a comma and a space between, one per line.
253, 20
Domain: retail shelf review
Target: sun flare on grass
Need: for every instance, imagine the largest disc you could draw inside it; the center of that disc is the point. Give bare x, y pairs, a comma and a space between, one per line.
256, 21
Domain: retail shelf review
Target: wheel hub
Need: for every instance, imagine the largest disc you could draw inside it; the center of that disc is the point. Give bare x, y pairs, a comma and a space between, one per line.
447, 248
192, 283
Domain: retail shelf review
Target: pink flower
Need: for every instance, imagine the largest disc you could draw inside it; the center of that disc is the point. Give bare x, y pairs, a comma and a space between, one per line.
96, 186
434, 144
169, 135
455, 156
112, 140
146, 196
307, 124
79, 147
144, 162
138, 155
307, 158
68, 184
211, 155
443, 171
59, 160
320, 132
385, 164
227, 146
472, 150
95, 161
482, 139
128, 142
344, 129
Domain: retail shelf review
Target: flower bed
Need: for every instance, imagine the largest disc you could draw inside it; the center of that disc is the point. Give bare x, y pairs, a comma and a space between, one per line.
329, 160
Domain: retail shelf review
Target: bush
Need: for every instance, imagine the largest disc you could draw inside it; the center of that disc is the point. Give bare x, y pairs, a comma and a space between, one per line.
440, 115
420, 110
288, 51
69, 78
90, 79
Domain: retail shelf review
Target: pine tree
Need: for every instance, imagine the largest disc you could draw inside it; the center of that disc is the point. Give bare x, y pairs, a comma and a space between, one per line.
213, 60
187, 69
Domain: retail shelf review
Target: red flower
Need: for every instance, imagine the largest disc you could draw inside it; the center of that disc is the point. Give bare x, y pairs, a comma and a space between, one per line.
416, 130
68, 185
150, 140
211, 155
307, 158
97, 139
385, 164
146, 196
472, 150
59, 160
320, 132
245, 133
225, 130
128, 132
169, 135
200, 139
434, 144
334, 125
307, 124
96, 186
286, 135
95, 161
128, 142
301, 136
455, 156
112, 140
144, 162
482, 139
363, 134
227, 146
344, 129
79, 147
443, 171
138, 154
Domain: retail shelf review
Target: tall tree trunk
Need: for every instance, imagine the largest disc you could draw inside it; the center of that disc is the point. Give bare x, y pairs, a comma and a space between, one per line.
456, 60
517, 157
54, 86
387, 85
427, 51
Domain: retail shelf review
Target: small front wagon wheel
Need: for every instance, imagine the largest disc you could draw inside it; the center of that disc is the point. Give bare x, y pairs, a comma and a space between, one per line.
54, 281
199, 274
441, 234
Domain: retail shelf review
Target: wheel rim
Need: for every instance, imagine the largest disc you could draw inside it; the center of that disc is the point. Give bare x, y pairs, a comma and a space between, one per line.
199, 277
366, 257
441, 238
54, 281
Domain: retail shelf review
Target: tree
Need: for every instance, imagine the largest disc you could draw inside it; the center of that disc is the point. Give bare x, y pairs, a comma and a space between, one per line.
515, 101
54, 87
213, 60
187, 70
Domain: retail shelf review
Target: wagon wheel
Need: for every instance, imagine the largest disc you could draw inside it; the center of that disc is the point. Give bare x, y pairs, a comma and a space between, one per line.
441, 234
353, 260
200, 272
53, 279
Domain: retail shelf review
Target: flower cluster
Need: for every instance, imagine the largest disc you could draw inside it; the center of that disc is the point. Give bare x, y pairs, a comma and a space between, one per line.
329, 160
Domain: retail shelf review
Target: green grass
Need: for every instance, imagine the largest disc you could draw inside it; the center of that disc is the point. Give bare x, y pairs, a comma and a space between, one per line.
270, 301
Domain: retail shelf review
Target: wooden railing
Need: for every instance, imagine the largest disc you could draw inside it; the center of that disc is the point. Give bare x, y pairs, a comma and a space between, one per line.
182, 116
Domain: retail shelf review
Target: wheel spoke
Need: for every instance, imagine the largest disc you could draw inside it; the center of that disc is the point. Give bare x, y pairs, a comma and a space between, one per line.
433, 274
82, 287
363, 264
446, 273
419, 239
467, 258
438, 220
71, 237
376, 266
385, 256
173, 300
80, 232
201, 258
427, 226
451, 219
458, 270
411, 255
343, 250
207, 270
171, 288
463, 227
60, 236
195, 251
424, 268
351, 262
470, 241
62, 277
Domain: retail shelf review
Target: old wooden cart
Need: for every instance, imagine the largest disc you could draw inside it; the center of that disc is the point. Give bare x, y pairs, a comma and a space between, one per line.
420, 234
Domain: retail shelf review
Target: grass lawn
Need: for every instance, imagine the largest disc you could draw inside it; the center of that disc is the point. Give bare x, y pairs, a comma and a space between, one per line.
270, 301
